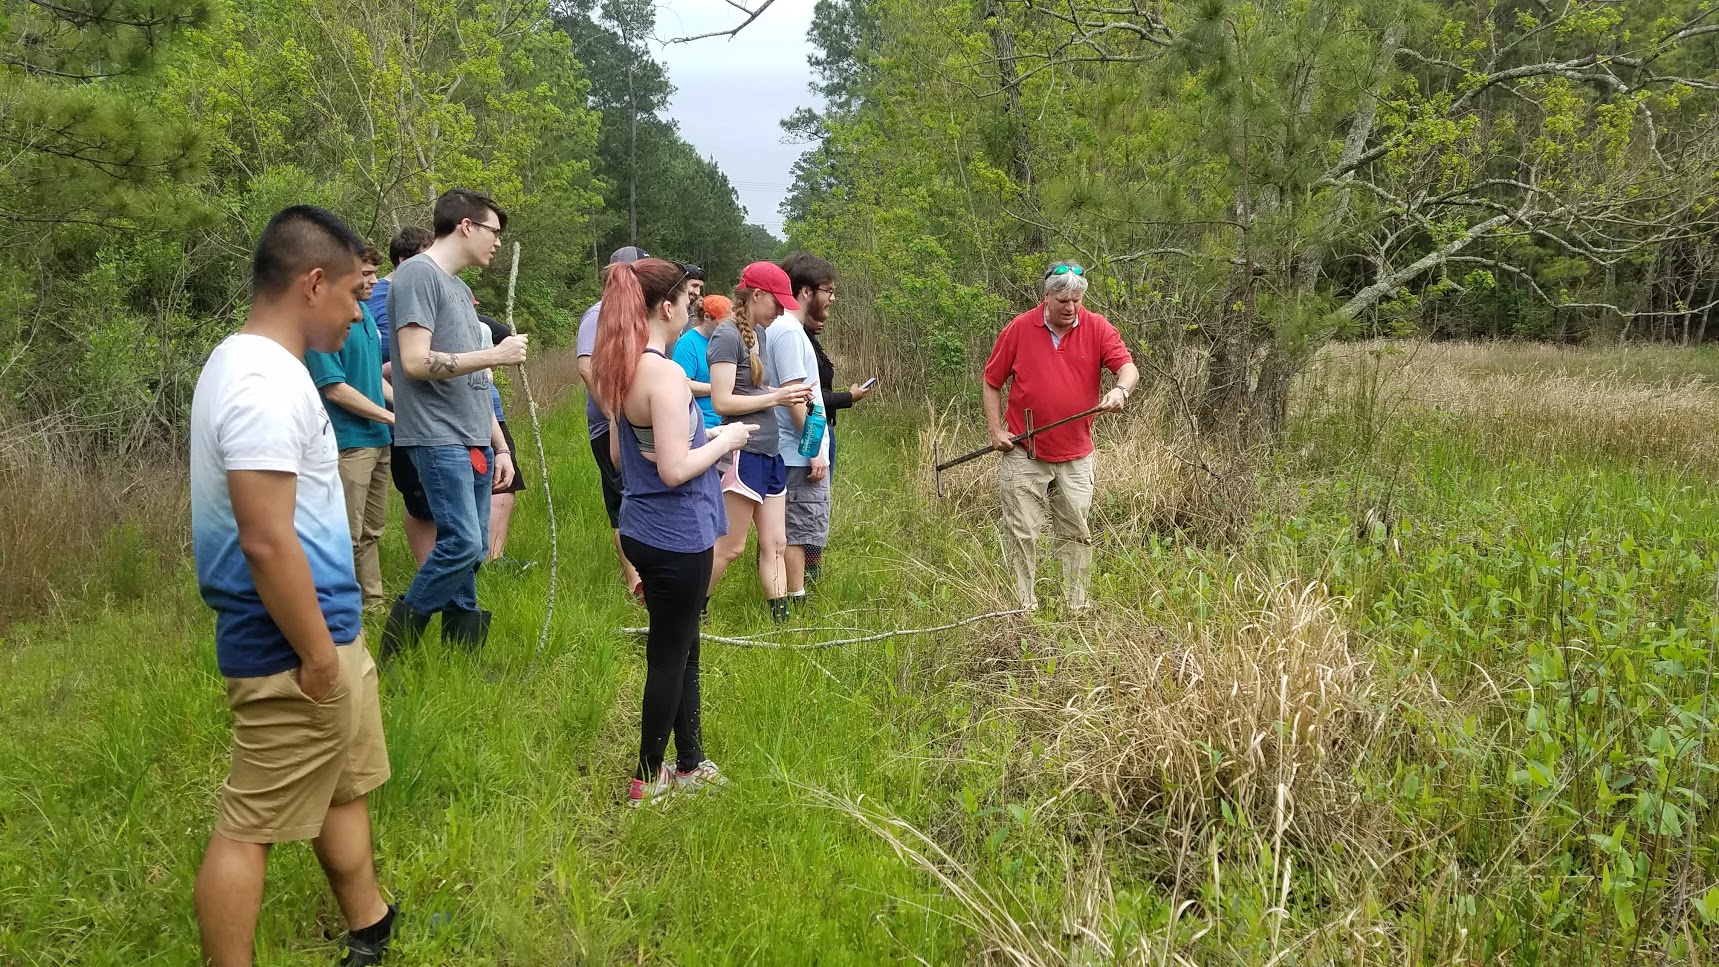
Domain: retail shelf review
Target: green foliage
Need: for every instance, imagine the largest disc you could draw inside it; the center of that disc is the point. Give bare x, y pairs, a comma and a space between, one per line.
152, 142
1233, 170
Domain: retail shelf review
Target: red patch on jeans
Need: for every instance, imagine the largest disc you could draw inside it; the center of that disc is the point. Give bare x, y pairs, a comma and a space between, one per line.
480, 463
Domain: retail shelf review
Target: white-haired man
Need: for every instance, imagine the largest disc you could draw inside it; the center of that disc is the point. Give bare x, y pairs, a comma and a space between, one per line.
1051, 358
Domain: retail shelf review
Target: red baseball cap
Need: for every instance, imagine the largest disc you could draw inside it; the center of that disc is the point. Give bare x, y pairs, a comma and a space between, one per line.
769, 277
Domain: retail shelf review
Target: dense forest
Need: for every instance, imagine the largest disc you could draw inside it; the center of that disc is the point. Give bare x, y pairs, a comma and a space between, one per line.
147, 143
1250, 178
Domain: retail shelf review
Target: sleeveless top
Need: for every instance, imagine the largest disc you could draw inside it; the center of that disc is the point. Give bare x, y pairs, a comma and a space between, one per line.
647, 434
686, 519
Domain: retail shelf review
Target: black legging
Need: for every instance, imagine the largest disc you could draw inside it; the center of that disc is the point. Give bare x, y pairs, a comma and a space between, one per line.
675, 583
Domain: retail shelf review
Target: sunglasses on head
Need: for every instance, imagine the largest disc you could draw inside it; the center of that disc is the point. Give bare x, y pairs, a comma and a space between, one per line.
1067, 268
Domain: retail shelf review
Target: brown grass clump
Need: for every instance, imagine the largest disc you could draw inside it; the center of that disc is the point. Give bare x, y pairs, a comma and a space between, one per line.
1262, 711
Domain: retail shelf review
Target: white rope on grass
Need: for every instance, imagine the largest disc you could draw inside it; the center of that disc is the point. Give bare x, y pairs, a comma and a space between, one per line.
542, 473
750, 642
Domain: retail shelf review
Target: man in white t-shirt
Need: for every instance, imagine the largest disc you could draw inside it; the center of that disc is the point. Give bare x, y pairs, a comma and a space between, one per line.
793, 360
274, 561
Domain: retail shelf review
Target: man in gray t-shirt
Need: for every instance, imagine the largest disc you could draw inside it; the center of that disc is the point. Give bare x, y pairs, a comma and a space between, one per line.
449, 411
443, 418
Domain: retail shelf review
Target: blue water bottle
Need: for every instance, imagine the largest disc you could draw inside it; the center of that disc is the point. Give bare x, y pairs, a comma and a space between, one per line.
812, 434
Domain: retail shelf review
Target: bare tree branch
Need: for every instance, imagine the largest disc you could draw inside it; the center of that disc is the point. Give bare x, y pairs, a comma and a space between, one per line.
752, 14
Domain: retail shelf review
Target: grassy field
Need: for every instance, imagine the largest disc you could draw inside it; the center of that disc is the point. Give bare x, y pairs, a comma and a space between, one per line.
1428, 684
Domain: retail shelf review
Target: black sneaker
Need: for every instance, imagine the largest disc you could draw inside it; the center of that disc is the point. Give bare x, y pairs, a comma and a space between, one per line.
366, 947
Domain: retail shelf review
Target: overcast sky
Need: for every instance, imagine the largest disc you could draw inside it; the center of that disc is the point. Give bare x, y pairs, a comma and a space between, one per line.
731, 95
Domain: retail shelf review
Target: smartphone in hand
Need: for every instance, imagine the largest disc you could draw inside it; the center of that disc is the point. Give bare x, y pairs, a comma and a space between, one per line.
868, 383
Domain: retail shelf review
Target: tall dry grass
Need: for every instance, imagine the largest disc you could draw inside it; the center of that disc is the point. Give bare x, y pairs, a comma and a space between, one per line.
73, 522
1149, 479
1531, 402
554, 377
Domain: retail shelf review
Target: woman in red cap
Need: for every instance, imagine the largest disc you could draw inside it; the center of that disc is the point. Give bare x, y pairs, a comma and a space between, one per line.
755, 482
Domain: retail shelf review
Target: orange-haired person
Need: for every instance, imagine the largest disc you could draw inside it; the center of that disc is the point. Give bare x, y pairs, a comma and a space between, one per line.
689, 352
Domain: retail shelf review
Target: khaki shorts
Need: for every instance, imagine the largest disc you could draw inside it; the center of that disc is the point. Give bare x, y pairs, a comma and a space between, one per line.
294, 758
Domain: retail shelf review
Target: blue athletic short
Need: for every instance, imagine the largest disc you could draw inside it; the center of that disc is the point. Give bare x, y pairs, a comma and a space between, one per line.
755, 476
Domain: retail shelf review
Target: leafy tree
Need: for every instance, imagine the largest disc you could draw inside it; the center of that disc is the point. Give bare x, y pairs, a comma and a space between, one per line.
1251, 177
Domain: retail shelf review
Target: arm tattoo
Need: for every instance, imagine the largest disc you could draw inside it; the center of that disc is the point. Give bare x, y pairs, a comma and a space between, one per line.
443, 362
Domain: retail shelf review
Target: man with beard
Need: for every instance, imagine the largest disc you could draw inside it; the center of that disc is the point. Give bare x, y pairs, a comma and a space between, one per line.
792, 359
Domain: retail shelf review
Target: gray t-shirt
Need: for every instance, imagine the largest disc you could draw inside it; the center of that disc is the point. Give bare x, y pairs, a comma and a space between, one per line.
791, 358
586, 344
726, 346
438, 412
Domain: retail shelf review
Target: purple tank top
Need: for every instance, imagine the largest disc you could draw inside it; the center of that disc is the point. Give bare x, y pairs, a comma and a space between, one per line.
686, 519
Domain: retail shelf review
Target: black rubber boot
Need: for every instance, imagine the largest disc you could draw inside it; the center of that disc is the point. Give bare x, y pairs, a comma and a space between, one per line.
405, 626
467, 629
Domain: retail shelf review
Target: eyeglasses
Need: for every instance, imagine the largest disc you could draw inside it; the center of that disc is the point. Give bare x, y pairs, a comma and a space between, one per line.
1066, 268
493, 229
827, 289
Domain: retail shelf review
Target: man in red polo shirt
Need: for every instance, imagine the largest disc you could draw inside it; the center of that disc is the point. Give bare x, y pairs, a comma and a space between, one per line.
1054, 355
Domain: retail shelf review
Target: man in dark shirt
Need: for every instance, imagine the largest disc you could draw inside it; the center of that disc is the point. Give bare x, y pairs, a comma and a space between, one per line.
817, 318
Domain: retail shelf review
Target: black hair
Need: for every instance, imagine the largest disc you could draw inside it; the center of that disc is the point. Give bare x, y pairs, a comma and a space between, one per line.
458, 204
806, 271
297, 240
411, 240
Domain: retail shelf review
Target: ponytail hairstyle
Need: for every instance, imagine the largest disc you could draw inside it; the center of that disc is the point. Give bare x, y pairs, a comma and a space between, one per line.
748, 333
631, 292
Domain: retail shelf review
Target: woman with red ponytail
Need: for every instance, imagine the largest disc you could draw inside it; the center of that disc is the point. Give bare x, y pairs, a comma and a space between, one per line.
671, 506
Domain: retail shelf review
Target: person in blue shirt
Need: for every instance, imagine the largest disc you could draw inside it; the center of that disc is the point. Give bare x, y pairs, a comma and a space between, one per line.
501, 501
409, 242
356, 398
691, 349
420, 528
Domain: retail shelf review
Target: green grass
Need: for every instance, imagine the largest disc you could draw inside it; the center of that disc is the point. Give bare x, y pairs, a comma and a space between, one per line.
1527, 781
503, 829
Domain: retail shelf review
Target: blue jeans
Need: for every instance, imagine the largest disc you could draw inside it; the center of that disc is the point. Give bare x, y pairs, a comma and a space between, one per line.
459, 501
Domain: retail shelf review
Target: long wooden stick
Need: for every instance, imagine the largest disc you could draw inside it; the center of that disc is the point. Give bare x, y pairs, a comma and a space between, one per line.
542, 473
819, 645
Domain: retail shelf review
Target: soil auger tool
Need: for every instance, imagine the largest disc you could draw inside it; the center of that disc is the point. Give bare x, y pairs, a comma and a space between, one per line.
1025, 436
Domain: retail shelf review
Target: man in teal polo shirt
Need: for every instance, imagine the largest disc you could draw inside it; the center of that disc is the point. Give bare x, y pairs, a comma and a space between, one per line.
355, 396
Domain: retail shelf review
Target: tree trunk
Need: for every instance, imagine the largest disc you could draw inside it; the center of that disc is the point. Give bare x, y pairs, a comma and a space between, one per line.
1020, 162
1224, 401
1271, 396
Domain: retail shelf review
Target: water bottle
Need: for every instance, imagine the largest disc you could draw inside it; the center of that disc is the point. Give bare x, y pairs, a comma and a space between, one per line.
812, 435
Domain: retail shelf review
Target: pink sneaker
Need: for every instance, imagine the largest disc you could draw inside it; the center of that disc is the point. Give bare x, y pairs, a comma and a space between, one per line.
641, 792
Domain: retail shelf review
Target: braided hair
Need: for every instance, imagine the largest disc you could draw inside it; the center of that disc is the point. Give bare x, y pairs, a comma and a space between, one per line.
748, 333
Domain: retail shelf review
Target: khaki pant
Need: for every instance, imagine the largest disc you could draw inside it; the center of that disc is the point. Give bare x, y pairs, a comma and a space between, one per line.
293, 758
1025, 486
364, 475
